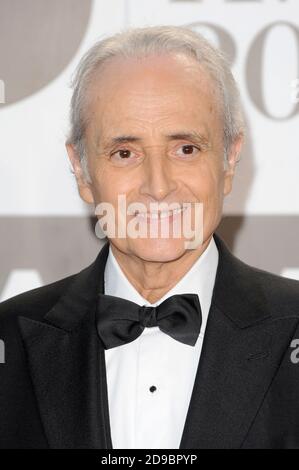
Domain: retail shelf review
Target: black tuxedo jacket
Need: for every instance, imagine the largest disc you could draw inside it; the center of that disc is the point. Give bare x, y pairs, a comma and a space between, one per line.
53, 389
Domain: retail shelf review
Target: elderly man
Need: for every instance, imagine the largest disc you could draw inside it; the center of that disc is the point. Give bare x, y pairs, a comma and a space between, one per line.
160, 343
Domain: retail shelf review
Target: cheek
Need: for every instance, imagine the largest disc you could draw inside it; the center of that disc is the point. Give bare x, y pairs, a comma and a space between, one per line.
210, 193
109, 183
207, 184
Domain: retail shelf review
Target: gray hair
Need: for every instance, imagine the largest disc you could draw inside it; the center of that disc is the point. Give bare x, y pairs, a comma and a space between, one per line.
141, 42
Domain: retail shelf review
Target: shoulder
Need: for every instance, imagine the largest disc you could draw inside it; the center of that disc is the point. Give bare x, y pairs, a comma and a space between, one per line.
241, 287
34, 303
280, 293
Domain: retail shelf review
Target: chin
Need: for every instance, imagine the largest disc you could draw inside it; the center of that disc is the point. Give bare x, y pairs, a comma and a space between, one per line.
158, 250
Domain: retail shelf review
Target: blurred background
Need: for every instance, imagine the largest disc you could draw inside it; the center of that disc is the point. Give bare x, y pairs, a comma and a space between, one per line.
46, 231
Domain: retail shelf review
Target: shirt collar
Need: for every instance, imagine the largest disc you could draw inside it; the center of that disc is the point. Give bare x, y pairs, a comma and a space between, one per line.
200, 280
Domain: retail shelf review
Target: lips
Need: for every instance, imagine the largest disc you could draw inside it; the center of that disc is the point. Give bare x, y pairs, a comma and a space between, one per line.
159, 215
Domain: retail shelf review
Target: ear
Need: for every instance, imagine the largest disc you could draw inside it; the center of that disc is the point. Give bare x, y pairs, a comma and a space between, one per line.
84, 186
232, 160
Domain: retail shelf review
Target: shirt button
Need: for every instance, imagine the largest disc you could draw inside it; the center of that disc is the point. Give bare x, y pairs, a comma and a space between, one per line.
153, 388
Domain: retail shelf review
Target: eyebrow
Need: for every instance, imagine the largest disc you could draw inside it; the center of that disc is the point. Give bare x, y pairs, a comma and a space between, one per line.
192, 136
123, 139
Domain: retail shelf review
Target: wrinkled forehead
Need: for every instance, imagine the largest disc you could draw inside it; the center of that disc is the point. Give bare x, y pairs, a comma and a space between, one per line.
151, 86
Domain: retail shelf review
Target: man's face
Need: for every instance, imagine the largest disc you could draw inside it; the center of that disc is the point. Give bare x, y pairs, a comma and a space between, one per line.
155, 135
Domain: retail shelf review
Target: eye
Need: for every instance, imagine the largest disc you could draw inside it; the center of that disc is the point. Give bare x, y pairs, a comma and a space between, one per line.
122, 154
188, 149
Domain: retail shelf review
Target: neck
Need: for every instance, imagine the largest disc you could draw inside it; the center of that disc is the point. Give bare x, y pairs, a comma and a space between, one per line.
153, 280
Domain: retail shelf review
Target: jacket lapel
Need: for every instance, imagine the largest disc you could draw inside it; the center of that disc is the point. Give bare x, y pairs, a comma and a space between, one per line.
242, 349
67, 365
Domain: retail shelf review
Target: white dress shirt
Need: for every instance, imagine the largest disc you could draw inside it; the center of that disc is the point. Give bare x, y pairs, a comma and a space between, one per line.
141, 418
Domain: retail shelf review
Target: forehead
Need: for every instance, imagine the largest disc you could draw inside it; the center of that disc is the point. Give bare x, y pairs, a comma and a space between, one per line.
152, 93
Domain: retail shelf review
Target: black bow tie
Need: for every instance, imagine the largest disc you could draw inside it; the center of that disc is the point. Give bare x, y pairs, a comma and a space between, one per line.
120, 321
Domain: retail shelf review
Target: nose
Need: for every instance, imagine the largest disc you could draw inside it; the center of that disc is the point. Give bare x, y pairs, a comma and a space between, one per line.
157, 180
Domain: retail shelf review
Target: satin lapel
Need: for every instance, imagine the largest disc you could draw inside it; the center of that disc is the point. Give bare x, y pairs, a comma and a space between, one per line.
238, 361
67, 365
234, 373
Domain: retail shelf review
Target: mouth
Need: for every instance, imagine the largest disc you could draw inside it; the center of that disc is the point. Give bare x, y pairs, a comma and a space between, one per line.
159, 215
